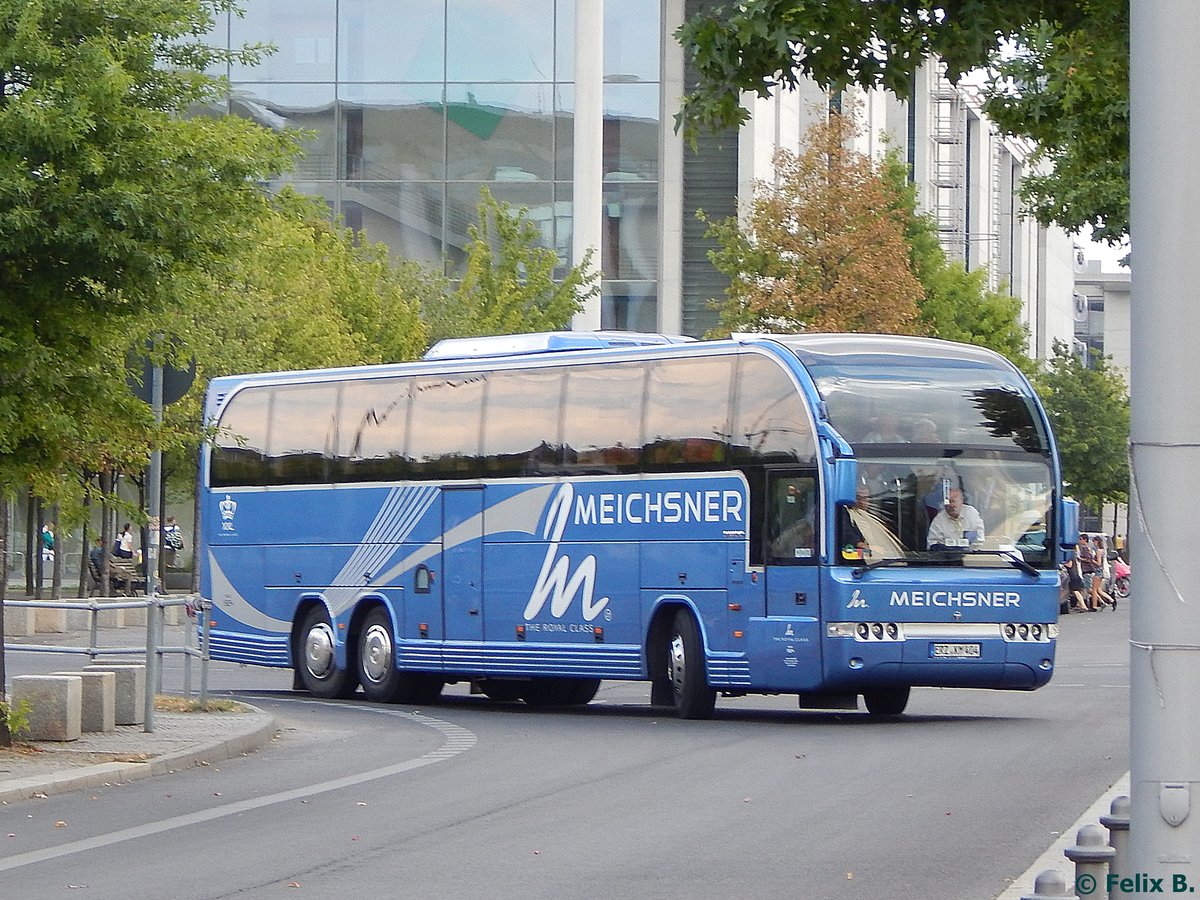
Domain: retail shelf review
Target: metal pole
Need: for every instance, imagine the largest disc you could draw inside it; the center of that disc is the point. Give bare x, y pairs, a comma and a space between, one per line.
189, 641
1164, 831
206, 624
150, 554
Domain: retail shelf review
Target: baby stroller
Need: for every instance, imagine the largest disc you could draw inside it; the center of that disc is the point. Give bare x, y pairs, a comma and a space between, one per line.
1121, 573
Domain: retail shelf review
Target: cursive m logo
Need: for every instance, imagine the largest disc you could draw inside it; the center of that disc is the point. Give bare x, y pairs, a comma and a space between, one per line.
857, 600
555, 583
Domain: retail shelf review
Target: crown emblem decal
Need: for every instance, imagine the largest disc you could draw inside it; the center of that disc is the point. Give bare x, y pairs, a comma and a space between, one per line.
228, 508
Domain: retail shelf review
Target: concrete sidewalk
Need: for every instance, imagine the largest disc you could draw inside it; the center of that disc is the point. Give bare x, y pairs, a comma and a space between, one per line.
179, 740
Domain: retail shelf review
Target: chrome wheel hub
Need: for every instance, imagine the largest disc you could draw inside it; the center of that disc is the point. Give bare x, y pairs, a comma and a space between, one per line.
318, 650
376, 654
678, 663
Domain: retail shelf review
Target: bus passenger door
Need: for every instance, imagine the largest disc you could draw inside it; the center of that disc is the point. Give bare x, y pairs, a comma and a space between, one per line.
792, 576
462, 562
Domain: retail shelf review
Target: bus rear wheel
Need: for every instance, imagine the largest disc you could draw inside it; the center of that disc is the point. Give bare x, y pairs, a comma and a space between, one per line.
886, 701
581, 691
500, 690
546, 691
377, 673
319, 672
694, 699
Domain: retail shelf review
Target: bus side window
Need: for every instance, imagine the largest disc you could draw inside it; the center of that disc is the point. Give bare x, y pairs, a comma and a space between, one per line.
791, 519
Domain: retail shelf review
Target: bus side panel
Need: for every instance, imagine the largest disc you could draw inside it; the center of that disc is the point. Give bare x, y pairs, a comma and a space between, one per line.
562, 592
304, 565
253, 625
683, 565
462, 563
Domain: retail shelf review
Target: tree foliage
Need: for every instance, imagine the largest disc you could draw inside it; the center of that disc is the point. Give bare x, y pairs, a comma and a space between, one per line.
109, 200
1066, 87
1068, 91
823, 247
1089, 411
508, 286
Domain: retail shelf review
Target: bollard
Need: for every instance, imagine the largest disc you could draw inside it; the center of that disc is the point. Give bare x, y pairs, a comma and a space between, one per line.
1117, 823
1091, 856
1050, 885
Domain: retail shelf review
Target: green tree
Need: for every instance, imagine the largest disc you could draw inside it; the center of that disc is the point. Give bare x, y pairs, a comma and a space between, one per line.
1069, 93
957, 305
1066, 86
109, 200
1089, 411
823, 246
301, 292
508, 286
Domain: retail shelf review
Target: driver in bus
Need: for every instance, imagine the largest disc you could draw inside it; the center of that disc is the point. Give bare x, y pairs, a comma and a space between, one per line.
957, 525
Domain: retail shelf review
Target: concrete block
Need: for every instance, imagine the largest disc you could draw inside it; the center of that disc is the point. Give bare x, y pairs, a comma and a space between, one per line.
173, 615
135, 618
78, 619
55, 705
111, 618
99, 711
53, 621
20, 619
131, 690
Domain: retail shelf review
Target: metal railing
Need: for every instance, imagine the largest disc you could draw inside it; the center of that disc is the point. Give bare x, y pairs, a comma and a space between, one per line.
156, 647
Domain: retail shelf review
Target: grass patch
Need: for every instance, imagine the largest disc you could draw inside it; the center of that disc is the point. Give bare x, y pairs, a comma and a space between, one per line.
169, 703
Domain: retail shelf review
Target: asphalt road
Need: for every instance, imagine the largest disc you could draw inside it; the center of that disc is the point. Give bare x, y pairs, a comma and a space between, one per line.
476, 799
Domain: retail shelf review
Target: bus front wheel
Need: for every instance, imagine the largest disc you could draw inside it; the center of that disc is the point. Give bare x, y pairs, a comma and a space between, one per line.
694, 699
886, 701
319, 672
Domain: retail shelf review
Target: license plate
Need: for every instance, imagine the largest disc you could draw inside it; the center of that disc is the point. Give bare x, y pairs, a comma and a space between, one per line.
954, 651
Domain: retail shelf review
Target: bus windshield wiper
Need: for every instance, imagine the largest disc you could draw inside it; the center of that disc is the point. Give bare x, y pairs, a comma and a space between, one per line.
1012, 557
859, 571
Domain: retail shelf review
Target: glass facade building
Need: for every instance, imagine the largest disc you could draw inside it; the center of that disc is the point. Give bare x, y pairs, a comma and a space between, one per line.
411, 107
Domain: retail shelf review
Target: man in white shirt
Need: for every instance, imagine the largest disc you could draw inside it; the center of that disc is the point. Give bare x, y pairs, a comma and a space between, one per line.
957, 525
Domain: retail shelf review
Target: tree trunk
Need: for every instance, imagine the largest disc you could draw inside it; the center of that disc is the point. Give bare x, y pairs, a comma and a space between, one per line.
5, 736
35, 547
30, 546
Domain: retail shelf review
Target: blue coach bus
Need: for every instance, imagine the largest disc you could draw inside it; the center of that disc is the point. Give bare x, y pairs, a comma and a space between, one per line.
830, 516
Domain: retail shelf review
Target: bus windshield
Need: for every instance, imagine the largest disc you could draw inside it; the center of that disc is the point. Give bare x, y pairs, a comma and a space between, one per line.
954, 458
917, 507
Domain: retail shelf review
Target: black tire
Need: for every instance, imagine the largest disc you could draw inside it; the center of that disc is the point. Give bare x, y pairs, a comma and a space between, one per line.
886, 701
376, 658
694, 699
501, 690
662, 692
315, 661
420, 688
546, 691
581, 691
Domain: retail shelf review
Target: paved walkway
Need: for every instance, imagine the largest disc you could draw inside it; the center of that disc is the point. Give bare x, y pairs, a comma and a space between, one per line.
179, 740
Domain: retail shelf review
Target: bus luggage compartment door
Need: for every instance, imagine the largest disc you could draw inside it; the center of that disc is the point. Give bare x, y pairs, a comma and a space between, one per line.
462, 562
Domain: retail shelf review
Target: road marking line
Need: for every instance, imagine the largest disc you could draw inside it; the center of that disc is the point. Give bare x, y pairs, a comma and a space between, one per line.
458, 740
